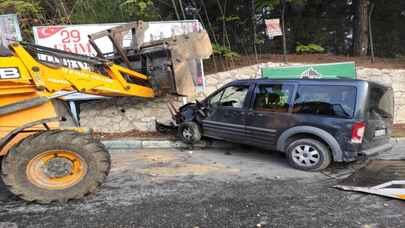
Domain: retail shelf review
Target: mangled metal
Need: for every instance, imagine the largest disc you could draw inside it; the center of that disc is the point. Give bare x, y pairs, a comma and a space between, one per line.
170, 62
378, 177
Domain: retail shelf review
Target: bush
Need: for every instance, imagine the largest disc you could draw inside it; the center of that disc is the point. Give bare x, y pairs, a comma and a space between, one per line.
225, 52
310, 48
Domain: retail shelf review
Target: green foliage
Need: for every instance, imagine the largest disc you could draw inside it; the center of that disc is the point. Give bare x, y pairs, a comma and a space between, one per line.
43, 12
22, 8
107, 11
142, 9
29, 13
325, 23
273, 3
267, 3
310, 48
231, 18
225, 52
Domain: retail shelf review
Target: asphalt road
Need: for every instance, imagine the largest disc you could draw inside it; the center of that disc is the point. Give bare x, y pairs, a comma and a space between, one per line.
212, 188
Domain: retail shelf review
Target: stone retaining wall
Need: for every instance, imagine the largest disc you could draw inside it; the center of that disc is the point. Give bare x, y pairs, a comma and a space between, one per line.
126, 114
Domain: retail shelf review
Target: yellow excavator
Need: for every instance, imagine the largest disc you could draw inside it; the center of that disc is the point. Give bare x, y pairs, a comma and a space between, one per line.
42, 162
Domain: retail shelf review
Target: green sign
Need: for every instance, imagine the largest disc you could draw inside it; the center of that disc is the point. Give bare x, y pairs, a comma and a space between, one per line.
344, 70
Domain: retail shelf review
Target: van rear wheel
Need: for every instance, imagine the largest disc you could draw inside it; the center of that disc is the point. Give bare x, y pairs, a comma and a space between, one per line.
309, 155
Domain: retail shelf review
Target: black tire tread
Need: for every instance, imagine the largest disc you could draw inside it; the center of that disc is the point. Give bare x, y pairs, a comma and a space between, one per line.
60, 138
196, 129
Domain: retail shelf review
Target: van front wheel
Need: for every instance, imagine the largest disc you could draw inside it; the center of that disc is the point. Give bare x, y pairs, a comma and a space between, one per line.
309, 155
190, 132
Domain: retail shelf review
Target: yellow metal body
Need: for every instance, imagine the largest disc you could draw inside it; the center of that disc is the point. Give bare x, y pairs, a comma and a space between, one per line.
36, 79
53, 78
9, 122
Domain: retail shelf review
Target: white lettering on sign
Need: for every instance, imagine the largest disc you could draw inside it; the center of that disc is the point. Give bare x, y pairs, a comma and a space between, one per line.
9, 73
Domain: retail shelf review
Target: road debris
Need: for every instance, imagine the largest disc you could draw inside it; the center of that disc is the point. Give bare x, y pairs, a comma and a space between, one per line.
378, 177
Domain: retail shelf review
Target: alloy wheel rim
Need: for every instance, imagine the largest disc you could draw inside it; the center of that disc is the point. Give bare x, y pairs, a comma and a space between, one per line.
188, 133
306, 155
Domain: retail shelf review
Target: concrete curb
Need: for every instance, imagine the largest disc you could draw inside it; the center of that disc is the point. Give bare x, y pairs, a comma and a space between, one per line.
125, 144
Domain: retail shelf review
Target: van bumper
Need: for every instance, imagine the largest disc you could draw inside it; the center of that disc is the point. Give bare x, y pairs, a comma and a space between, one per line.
377, 150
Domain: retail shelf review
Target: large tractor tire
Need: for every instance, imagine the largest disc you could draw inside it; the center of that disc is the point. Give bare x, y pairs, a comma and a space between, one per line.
56, 165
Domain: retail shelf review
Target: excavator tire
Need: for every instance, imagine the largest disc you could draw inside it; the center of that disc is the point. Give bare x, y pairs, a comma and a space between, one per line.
55, 165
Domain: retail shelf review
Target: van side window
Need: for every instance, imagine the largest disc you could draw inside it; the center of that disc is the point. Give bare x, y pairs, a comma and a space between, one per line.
273, 98
232, 96
381, 102
335, 101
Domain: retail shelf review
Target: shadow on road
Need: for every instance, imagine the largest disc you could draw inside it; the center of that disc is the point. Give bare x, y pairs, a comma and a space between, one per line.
5, 194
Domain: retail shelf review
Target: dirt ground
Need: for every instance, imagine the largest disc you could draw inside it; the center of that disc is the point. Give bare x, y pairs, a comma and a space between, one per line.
212, 188
398, 131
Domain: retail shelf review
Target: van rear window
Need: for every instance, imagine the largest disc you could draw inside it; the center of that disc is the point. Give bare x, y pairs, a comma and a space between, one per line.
334, 101
381, 102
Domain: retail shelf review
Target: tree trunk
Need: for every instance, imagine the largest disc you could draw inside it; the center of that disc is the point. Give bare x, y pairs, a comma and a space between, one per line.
175, 10
182, 10
360, 28
283, 2
254, 30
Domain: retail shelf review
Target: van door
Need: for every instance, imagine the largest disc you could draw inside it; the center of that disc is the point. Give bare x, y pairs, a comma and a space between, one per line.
226, 113
269, 113
379, 116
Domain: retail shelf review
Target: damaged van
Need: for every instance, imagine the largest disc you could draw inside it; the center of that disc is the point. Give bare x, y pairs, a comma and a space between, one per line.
313, 121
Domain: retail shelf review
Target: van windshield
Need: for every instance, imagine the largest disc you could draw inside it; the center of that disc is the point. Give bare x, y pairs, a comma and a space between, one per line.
381, 102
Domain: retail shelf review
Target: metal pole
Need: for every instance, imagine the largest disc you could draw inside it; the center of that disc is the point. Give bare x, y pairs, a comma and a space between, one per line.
370, 31
182, 9
283, 28
175, 10
74, 113
254, 30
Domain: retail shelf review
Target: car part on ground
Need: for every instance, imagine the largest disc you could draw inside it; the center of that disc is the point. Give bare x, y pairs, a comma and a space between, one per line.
379, 177
166, 128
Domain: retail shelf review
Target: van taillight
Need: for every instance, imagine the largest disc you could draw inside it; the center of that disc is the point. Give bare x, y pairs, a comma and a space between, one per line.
358, 132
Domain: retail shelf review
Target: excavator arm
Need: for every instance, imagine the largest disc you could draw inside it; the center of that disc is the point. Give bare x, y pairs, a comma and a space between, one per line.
101, 77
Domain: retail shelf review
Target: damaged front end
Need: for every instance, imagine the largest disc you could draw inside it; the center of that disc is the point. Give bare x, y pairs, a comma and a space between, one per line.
170, 63
189, 112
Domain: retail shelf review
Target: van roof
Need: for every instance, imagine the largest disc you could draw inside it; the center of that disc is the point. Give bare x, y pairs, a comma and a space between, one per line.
355, 82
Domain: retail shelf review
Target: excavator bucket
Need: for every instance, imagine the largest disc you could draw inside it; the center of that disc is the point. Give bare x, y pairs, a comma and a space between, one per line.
171, 63
378, 177
186, 53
